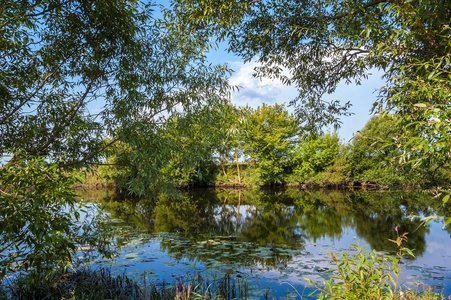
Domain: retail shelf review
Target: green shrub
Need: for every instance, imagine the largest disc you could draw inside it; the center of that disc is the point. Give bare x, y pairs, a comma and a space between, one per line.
314, 155
371, 157
337, 173
40, 222
361, 274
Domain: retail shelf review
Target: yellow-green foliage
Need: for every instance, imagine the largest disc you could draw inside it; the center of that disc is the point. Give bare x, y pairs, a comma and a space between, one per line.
361, 274
268, 140
336, 173
96, 175
314, 155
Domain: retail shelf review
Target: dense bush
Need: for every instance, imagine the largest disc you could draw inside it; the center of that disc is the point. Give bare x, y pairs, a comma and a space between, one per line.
40, 223
314, 155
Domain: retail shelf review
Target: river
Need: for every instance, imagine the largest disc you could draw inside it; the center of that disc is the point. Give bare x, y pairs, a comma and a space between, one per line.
272, 240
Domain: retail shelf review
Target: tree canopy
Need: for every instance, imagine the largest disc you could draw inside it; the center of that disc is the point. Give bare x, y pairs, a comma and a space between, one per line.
76, 71
323, 43
76, 77
369, 157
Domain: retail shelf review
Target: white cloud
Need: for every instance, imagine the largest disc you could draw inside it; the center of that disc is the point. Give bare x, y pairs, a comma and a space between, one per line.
253, 91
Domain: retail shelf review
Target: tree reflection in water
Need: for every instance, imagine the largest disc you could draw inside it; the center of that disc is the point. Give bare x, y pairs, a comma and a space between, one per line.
241, 221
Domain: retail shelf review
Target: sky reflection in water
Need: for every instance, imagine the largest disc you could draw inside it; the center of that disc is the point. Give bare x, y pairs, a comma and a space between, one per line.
273, 239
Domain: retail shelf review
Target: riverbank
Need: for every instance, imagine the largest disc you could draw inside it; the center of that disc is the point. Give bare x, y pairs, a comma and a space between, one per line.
249, 176
101, 284
95, 186
355, 185
99, 183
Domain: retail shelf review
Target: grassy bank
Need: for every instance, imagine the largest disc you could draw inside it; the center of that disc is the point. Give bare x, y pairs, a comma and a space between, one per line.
361, 275
94, 179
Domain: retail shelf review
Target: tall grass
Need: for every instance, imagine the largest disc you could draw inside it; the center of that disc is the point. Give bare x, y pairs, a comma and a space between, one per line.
101, 284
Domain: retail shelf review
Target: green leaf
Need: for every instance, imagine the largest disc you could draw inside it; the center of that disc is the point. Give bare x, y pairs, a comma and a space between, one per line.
423, 105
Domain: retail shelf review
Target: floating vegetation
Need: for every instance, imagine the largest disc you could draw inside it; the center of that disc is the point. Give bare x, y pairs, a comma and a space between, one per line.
273, 241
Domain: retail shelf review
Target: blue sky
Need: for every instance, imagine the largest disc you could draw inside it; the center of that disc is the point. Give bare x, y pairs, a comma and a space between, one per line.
254, 92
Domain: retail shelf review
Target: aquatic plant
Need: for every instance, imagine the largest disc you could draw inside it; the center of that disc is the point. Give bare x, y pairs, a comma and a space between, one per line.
361, 274
100, 284
79, 284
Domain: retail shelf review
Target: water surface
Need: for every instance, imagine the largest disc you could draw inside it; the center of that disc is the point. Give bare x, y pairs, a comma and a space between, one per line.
273, 240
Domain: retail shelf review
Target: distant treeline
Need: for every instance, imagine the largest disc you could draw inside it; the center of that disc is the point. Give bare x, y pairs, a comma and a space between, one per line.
267, 146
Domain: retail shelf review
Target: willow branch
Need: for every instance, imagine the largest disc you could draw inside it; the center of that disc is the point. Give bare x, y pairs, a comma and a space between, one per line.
90, 156
21, 104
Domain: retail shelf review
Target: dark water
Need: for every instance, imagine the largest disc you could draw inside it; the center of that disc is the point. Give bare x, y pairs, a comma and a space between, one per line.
273, 240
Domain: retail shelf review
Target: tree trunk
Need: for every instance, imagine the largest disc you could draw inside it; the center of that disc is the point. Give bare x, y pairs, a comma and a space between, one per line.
238, 167
221, 159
